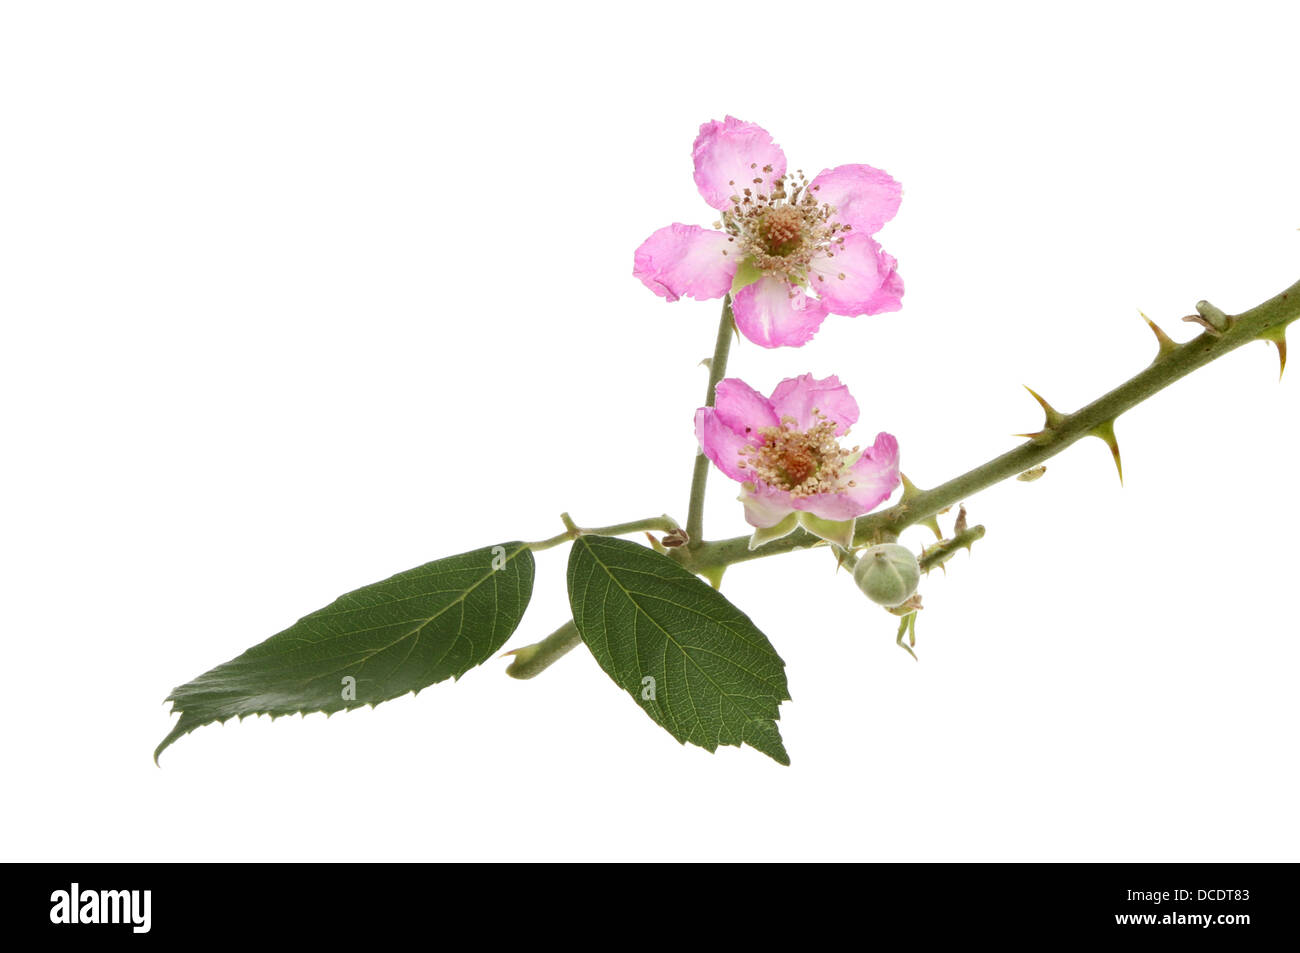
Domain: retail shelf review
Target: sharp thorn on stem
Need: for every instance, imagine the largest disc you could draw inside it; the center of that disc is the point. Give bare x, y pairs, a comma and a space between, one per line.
1054, 417
1166, 343
1106, 432
1278, 337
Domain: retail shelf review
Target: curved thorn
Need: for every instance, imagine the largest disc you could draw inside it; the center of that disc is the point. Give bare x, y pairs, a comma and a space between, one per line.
1106, 432
1054, 417
1167, 344
1278, 337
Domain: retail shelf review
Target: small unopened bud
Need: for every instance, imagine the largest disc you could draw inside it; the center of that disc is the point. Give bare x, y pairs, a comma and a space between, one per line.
888, 574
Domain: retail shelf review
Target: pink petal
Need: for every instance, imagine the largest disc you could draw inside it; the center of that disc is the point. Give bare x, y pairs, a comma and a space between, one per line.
851, 279
730, 155
797, 396
863, 197
830, 506
875, 475
685, 260
765, 506
773, 313
890, 295
743, 409
720, 443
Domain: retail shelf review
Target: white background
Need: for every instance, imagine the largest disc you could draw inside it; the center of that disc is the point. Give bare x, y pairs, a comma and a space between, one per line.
296, 296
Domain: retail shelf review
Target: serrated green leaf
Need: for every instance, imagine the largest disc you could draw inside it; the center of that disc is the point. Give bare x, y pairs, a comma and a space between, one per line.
419, 627
694, 662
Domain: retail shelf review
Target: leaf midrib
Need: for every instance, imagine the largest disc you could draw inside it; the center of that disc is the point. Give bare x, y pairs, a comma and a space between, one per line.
361, 660
632, 599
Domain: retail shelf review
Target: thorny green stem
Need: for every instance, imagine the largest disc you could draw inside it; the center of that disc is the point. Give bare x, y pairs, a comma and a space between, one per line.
1264, 322
700, 477
665, 523
1267, 322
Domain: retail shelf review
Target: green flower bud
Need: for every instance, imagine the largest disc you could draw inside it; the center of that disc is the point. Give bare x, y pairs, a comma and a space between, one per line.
888, 574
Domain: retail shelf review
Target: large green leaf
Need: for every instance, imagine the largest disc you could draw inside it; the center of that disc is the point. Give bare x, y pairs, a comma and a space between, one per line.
694, 662
419, 627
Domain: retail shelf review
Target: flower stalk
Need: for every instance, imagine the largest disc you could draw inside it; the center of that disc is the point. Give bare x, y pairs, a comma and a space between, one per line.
700, 476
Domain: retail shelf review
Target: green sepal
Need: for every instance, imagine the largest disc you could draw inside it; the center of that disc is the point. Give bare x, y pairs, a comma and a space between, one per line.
746, 274
766, 535
839, 532
907, 626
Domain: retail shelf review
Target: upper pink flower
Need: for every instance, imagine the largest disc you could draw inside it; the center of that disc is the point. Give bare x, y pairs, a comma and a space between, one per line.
789, 250
784, 451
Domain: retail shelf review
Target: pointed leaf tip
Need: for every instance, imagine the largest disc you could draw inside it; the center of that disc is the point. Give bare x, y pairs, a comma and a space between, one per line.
693, 662
422, 626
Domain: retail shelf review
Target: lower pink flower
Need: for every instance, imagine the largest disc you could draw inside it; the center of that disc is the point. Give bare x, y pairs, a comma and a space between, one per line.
785, 452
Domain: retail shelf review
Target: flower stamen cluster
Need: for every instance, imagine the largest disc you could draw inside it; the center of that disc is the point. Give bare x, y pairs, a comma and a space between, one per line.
781, 232
801, 462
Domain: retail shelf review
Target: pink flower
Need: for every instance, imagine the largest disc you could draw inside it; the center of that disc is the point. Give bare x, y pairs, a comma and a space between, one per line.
784, 451
789, 251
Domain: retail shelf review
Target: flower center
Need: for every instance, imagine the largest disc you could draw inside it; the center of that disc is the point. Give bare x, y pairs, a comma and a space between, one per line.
780, 232
802, 462
781, 229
